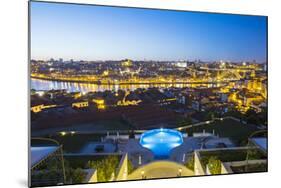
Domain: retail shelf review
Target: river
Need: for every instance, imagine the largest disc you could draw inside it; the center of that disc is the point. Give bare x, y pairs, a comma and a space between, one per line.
39, 84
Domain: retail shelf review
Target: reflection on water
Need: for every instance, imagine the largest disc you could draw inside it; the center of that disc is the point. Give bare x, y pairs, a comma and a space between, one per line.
38, 84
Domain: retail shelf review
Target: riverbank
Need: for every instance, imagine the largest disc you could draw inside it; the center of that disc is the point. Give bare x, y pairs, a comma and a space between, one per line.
132, 83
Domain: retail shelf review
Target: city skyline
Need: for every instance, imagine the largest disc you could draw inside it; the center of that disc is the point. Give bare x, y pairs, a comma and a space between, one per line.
59, 59
83, 32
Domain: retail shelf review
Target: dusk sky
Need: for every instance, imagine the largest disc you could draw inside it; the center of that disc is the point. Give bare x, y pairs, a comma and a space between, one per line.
83, 32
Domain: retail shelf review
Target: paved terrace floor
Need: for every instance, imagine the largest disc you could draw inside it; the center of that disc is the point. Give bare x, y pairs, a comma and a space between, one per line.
137, 154
181, 153
160, 169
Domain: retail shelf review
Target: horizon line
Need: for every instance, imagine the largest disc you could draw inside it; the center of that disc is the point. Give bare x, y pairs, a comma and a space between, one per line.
179, 60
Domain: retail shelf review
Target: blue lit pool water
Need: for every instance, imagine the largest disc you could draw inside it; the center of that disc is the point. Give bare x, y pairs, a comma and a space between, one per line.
161, 141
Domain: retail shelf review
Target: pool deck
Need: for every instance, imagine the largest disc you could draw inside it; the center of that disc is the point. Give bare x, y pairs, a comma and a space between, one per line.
139, 155
136, 153
180, 154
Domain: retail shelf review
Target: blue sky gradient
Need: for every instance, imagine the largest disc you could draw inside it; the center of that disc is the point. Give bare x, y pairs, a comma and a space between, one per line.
84, 32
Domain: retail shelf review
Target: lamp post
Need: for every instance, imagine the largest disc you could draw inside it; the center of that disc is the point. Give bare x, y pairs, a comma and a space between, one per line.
139, 159
142, 174
180, 171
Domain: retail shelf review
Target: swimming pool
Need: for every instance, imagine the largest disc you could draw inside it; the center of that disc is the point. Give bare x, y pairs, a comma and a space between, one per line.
161, 141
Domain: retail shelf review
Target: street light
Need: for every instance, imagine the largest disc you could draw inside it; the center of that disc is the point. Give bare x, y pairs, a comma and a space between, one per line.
180, 171
183, 158
63, 133
139, 159
142, 174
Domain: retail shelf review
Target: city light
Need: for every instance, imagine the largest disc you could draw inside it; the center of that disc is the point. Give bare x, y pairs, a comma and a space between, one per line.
105, 73
100, 103
62, 133
40, 93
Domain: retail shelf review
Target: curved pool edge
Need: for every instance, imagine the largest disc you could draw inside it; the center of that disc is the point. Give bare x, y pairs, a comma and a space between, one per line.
161, 141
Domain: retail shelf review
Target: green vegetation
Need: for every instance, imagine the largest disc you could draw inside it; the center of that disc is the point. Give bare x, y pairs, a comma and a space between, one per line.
206, 115
233, 112
183, 121
190, 163
130, 167
251, 116
117, 124
235, 130
78, 175
214, 165
255, 154
48, 173
262, 167
46, 177
51, 173
81, 161
74, 175
106, 168
74, 166
211, 115
231, 155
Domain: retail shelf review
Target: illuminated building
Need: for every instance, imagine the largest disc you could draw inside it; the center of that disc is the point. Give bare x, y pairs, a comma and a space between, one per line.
40, 107
127, 63
181, 64
77, 95
40, 93
125, 102
37, 108
105, 73
82, 104
100, 103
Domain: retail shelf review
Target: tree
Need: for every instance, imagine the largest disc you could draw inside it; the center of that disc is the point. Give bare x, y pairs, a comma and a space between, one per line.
184, 121
74, 175
130, 167
263, 116
190, 163
252, 117
78, 175
235, 113
210, 116
105, 167
214, 165
254, 154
